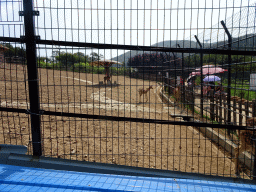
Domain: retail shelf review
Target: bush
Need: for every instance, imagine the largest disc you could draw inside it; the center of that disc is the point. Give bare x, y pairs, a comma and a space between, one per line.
47, 65
85, 68
98, 70
80, 65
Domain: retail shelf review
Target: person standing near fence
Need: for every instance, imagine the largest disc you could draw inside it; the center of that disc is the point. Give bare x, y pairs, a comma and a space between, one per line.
211, 86
219, 89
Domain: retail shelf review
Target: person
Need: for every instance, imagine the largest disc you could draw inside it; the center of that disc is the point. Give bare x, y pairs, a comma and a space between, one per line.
205, 90
219, 89
210, 87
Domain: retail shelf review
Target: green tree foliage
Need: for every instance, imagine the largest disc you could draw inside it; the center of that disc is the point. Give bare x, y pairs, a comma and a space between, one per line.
14, 51
44, 59
154, 62
238, 62
69, 59
66, 59
85, 68
95, 57
223, 59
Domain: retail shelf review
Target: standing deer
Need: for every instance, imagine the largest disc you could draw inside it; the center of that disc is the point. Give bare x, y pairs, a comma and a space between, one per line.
246, 142
144, 91
107, 78
176, 93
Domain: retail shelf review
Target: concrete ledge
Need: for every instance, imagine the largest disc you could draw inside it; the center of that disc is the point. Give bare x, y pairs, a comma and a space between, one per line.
228, 145
166, 99
18, 149
91, 167
7, 150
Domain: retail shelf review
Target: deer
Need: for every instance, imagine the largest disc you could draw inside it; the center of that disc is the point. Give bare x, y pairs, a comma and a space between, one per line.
144, 91
246, 142
176, 93
107, 78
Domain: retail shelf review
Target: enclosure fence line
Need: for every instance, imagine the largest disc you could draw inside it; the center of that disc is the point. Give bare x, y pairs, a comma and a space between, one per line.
31, 41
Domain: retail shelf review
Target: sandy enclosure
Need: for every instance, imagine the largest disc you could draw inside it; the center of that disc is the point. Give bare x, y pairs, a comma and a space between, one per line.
127, 143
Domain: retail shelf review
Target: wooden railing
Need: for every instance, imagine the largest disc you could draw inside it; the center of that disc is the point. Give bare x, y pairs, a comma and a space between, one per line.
241, 109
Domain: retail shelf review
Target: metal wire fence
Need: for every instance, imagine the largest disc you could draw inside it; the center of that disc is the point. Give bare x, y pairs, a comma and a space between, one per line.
123, 82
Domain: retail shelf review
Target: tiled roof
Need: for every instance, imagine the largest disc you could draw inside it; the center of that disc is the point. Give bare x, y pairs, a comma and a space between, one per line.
3, 47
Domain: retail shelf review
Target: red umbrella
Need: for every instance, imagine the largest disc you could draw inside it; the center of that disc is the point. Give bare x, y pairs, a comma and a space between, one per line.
208, 70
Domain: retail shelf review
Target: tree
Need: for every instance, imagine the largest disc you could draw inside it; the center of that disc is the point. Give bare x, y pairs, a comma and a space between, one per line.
154, 62
44, 59
69, 59
95, 57
14, 51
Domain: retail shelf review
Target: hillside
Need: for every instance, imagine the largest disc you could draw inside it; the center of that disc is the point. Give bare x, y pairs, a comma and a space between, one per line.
125, 57
241, 43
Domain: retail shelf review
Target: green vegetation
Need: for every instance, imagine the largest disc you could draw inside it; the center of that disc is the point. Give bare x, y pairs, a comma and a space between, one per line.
242, 91
238, 88
14, 51
79, 62
214, 59
68, 59
48, 65
206, 117
84, 68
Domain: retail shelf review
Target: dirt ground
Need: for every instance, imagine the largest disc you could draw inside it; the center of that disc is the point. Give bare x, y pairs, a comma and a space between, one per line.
167, 147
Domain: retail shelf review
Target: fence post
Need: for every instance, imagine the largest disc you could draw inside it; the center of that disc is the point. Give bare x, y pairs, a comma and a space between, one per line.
220, 108
229, 74
254, 108
254, 115
193, 100
30, 40
201, 79
217, 108
234, 111
183, 80
240, 113
225, 109
246, 106
212, 114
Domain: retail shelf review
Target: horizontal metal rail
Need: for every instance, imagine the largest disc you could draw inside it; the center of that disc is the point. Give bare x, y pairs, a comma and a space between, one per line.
134, 47
136, 120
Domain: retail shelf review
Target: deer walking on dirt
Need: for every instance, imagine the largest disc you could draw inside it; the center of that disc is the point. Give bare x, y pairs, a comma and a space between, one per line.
107, 78
144, 92
246, 142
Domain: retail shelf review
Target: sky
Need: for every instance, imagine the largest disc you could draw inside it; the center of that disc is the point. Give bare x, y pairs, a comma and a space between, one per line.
129, 22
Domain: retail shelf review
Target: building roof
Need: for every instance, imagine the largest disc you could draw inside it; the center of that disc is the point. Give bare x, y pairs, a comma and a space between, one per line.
3, 47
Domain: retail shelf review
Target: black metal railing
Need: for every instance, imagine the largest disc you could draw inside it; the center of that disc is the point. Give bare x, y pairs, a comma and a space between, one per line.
42, 118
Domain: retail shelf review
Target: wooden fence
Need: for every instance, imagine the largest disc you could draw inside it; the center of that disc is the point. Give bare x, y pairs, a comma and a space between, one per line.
241, 109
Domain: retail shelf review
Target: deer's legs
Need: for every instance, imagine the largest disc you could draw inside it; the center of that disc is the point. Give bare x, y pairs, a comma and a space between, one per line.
237, 166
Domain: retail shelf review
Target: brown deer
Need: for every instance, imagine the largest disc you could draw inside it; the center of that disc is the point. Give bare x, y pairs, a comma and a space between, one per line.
107, 78
144, 91
176, 93
246, 142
